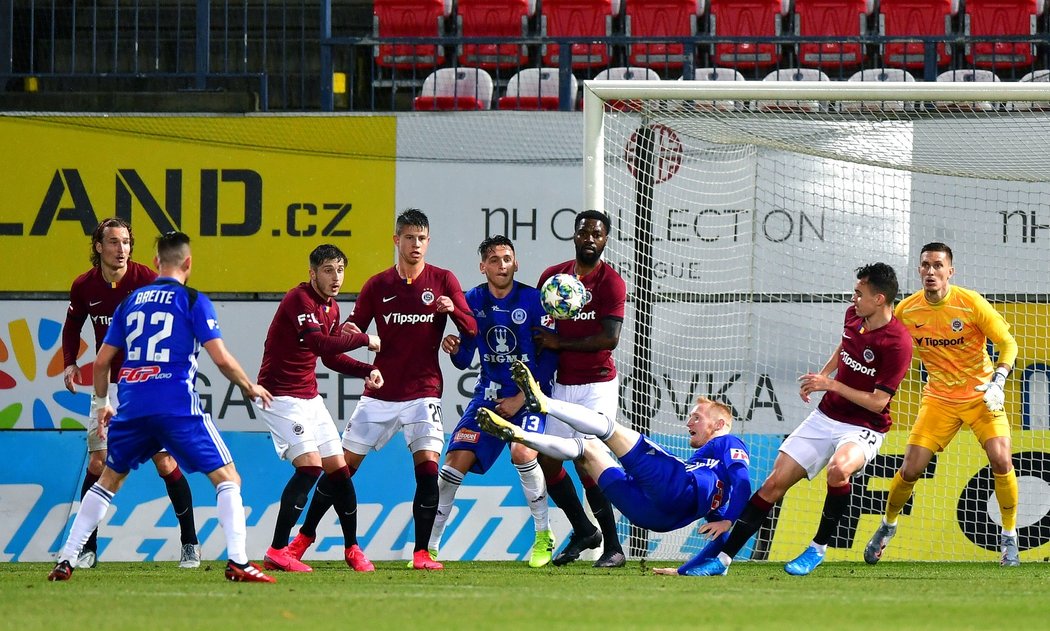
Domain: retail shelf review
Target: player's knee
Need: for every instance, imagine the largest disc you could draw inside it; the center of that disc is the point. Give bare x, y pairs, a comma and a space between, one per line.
837, 475
165, 463
96, 462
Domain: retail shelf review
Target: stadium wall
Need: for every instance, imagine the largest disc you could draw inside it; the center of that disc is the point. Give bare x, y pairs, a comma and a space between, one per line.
258, 193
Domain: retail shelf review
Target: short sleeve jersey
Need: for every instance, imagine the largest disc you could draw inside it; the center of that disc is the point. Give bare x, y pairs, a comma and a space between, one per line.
91, 296
407, 322
951, 341
868, 361
504, 336
606, 299
161, 328
289, 368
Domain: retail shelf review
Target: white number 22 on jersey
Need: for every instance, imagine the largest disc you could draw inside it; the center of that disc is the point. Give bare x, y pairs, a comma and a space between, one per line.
137, 323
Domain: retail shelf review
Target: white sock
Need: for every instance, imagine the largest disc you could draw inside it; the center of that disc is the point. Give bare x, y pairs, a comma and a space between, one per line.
449, 481
554, 446
581, 419
535, 489
823, 549
725, 558
92, 509
1010, 533
231, 518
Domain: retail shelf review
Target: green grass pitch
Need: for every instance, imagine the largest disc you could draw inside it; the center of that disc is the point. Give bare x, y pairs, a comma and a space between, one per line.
499, 595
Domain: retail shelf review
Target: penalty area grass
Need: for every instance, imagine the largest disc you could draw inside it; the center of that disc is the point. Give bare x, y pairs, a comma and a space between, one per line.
508, 595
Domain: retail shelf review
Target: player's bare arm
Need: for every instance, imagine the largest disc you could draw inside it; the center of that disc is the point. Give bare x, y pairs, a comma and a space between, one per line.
712, 530
607, 340
874, 401
450, 344
231, 369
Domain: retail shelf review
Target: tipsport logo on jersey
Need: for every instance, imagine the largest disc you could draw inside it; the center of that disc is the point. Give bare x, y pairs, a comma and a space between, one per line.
32, 394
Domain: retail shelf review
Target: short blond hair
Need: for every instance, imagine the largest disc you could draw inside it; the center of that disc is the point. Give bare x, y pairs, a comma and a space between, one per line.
720, 408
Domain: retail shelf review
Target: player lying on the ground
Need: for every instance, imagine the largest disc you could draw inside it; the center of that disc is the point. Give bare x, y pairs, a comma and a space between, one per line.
649, 486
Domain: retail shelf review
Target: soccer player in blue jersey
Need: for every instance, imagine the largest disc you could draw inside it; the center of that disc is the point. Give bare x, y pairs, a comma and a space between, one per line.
160, 328
506, 312
650, 487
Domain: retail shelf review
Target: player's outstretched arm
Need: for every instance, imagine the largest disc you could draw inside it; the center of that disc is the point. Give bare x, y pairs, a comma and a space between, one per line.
231, 369
607, 340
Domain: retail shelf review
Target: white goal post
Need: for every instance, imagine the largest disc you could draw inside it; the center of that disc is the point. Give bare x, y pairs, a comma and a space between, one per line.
741, 211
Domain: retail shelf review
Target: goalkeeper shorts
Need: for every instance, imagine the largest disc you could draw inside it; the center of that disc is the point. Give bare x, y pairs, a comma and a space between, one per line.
940, 420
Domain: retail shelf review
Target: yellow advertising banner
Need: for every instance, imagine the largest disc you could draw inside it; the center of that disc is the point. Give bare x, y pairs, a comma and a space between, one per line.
255, 194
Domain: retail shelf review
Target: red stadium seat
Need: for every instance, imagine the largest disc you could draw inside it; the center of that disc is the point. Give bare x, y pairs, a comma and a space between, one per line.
536, 89
661, 18
410, 18
494, 18
930, 18
841, 18
454, 89
579, 19
747, 18
992, 18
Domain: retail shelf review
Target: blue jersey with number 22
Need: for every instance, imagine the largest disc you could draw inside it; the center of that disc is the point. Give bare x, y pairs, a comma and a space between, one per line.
161, 328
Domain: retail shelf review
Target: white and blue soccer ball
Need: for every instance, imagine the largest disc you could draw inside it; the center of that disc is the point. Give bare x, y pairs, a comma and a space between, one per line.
563, 296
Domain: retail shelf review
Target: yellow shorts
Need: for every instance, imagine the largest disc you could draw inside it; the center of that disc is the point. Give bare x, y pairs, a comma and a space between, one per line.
940, 420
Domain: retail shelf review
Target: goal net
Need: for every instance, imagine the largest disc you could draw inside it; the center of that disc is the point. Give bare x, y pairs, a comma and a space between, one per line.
741, 212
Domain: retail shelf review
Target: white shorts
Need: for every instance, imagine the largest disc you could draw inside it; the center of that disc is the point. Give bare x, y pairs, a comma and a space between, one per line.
374, 423
301, 426
93, 441
817, 438
602, 397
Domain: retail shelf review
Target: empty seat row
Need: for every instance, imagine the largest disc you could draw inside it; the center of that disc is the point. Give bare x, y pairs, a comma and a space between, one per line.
846, 20
463, 88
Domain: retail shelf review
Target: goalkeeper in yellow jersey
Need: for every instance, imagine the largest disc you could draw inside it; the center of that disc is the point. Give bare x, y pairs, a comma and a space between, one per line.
950, 327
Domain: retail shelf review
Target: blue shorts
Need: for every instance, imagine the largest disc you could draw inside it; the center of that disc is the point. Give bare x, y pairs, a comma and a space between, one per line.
192, 440
487, 448
654, 490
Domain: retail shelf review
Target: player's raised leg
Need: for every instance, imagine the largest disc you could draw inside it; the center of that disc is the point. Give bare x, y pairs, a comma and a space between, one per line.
578, 417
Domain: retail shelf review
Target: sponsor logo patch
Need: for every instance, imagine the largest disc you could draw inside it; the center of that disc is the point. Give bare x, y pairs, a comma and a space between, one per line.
740, 454
466, 436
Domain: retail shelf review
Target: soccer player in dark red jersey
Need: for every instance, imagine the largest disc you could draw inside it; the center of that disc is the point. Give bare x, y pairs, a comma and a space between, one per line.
95, 294
410, 304
586, 376
843, 434
307, 327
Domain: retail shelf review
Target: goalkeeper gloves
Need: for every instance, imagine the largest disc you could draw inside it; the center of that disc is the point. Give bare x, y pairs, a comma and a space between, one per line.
993, 390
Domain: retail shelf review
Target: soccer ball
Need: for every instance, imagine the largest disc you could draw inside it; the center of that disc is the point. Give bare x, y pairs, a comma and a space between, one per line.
563, 295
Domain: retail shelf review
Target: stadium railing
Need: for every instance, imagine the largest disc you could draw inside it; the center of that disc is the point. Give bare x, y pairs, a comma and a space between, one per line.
320, 55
